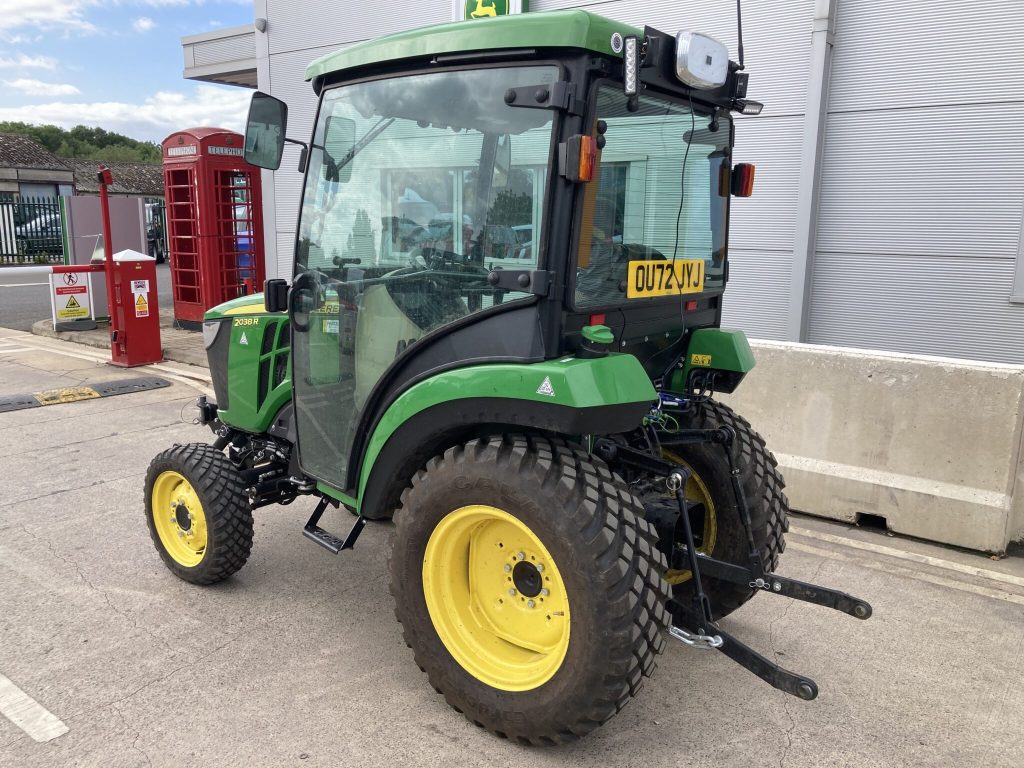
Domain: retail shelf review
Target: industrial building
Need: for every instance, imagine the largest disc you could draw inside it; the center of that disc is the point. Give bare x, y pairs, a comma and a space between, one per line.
889, 200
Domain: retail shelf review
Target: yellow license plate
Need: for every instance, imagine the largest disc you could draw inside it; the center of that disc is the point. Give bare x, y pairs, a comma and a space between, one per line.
664, 278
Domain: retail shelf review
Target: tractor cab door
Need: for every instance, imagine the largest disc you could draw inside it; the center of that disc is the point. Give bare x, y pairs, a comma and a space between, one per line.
417, 188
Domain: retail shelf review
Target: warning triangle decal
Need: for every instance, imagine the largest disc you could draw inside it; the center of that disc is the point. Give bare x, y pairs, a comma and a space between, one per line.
545, 388
140, 301
243, 340
72, 304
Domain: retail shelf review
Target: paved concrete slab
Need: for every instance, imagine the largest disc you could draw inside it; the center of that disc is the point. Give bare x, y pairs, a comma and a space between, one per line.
179, 345
297, 660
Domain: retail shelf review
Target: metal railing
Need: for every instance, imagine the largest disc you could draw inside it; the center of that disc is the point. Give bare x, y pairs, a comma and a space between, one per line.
31, 231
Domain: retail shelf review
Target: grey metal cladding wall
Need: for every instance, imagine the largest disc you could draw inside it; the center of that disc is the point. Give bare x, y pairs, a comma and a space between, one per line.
919, 220
766, 220
226, 49
941, 181
922, 52
758, 294
776, 38
953, 307
297, 26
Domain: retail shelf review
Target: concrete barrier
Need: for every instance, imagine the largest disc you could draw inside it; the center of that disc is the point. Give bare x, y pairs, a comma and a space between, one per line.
931, 444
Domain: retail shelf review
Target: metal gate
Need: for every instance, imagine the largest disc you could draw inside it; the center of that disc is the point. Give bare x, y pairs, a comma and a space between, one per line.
31, 230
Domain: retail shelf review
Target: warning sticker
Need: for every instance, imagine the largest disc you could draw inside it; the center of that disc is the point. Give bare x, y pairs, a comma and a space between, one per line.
71, 300
141, 306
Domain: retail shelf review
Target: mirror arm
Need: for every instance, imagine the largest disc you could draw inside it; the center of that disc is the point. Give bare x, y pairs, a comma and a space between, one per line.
303, 155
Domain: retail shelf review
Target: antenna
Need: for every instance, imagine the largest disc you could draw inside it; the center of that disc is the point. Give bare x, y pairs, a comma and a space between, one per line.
739, 33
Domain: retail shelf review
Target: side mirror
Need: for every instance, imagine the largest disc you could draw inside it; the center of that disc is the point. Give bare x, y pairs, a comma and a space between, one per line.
339, 142
275, 295
265, 131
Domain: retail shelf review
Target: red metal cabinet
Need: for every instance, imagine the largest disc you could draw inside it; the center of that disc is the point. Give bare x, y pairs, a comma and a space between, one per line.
214, 221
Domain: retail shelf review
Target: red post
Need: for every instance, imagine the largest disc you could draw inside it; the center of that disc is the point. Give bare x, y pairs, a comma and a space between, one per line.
105, 177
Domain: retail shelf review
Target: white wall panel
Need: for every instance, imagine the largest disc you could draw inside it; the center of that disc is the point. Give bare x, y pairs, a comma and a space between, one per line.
766, 220
756, 299
296, 26
921, 52
942, 181
954, 307
288, 84
226, 49
776, 38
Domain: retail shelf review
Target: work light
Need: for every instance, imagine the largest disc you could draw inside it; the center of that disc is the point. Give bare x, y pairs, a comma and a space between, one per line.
701, 61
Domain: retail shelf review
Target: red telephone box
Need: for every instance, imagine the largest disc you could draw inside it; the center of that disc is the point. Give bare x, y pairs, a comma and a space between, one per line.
214, 221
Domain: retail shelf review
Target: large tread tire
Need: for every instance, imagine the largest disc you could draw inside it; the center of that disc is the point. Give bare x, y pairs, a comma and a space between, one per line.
221, 491
607, 554
762, 483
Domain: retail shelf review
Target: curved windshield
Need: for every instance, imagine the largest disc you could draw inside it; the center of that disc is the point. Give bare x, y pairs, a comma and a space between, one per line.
405, 169
662, 194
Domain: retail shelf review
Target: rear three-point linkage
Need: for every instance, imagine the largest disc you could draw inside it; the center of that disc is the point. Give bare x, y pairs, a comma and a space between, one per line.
698, 628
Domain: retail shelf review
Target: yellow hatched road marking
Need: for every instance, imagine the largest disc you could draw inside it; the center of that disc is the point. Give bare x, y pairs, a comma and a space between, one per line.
65, 395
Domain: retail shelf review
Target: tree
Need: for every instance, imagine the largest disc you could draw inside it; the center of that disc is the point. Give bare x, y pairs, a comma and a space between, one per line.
84, 143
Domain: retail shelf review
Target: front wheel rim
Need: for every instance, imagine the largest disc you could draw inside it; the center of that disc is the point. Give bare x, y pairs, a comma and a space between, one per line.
496, 598
179, 519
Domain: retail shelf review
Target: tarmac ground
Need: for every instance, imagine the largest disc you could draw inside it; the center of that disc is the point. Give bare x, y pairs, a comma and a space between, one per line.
297, 660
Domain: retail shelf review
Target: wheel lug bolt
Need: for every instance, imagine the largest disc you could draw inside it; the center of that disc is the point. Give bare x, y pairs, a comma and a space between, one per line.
545, 592
520, 556
512, 593
539, 567
530, 603
507, 567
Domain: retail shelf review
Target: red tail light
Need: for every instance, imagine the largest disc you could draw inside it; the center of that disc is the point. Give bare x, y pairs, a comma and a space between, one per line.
743, 180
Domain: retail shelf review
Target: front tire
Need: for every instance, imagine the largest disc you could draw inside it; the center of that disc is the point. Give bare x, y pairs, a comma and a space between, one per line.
197, 513
485, 532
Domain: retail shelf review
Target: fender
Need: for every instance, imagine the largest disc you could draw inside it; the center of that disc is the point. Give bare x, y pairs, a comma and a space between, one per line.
570, 395
722, 352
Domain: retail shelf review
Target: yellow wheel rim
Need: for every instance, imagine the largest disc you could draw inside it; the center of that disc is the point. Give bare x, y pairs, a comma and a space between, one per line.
179, 519
496, 598
696, 492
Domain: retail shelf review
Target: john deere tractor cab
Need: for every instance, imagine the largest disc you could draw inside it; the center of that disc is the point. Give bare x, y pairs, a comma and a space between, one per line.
502, 332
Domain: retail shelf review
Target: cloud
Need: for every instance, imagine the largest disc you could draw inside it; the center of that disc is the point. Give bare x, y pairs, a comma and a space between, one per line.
153, 120
35, 62
143, 24
39, 88
46, 14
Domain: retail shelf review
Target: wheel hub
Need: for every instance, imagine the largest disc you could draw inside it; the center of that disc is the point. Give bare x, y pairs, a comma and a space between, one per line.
527, 578
182, 517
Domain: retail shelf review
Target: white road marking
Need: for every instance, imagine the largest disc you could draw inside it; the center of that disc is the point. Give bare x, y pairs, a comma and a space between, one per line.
879, 549
26, 713
6, 351
19, 285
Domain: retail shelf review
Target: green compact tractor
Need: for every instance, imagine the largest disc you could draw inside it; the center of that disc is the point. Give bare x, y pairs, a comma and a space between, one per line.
502, 333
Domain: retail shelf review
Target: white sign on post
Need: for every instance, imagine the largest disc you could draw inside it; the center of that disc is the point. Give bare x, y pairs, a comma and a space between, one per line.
70, 296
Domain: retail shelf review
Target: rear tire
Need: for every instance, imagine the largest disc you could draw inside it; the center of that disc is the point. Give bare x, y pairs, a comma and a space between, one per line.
197, 513
762, 483
587, 523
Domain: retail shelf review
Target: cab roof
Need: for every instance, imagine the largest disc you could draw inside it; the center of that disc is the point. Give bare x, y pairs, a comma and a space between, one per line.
549, 29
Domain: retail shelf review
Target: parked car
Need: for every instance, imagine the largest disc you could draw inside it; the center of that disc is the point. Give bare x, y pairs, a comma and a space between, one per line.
41, 235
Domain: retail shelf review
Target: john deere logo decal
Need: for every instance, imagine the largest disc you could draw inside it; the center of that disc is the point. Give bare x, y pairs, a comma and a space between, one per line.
482, 9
